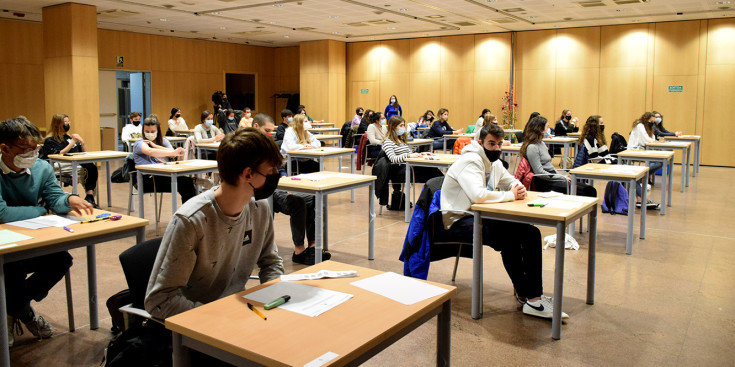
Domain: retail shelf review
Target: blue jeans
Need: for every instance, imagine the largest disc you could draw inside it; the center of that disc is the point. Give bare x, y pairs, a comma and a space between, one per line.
652, 168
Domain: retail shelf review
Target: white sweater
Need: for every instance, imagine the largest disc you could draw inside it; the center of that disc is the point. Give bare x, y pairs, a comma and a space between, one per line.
473, 179
291, 141
639, 138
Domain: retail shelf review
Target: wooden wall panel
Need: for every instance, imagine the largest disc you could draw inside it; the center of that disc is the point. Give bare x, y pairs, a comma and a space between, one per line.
425, 55
22, 42
577, 90
286, 69
677, 48
425, 94
622, 98
21, 71
456, 87
535, 91
577, 48
492, 72
721, 42
623, 46
535, 50
717, 129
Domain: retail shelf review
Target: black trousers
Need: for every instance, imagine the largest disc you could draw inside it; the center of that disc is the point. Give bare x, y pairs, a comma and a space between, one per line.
300, 208
304, 166
560, 185
45, 272
92, 175
397, 174
185, 185
519, 246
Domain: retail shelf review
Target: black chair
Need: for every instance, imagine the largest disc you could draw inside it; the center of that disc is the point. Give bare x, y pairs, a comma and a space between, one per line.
137, 264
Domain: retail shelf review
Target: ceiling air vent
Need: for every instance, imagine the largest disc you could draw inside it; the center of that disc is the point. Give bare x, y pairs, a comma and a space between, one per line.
115, 13
254, 33
504, 20
513, 10
626, 2
305, 29
358, 24
591, 4
464, 24
380, 22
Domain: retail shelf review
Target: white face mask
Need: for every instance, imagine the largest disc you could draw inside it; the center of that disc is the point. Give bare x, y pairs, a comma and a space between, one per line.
26, 160
151, 136
290, 119
392, 101
248, 114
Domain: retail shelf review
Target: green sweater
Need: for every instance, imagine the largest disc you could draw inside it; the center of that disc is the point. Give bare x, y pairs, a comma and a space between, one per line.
24, 196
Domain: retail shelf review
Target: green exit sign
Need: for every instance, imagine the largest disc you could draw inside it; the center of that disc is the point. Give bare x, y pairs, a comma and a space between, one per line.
364, 91
676, 88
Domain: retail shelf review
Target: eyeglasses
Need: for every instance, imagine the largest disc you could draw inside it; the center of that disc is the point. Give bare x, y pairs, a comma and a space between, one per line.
27, 150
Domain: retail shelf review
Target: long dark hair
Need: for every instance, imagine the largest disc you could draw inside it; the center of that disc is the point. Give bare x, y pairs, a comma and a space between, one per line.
644, 120
533, 114
396, 105
484, 111
205, 114
592, 128
173, 112
661, 125
534, 133
152, 120
375, 118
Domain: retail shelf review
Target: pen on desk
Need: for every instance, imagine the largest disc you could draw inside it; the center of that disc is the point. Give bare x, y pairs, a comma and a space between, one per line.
256, 311
113, 218
68, 229
277, 302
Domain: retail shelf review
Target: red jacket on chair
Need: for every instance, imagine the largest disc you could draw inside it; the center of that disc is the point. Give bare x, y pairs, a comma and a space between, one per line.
361, 151
525, 174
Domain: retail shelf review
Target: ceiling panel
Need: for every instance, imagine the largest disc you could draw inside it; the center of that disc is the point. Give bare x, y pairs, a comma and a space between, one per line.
288, 22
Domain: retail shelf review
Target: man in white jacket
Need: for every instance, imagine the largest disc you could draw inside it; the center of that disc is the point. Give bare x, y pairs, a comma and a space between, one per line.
478, 176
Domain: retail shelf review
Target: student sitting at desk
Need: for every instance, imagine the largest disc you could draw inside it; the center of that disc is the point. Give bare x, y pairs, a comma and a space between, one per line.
299, 207
641, 135
215, 240
478, 176
537, 154
286, 119
297, 138
658, 127
440, 128
28, 189
594, 143
176, 122
59, 142
376, 133
155, 148
133, 130
206, 132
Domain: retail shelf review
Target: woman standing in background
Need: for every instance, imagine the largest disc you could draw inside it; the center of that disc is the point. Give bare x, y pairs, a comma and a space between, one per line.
393, 108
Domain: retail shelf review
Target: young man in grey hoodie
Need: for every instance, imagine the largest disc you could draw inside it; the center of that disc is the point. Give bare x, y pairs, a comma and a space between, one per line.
215, 239
478, 176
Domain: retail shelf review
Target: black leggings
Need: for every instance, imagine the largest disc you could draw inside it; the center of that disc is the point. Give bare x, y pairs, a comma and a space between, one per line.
92, 175
519, 246
185, 186
45, 272
560, 185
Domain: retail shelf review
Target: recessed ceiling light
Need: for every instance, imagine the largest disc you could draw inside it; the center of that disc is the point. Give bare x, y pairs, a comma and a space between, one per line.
335, 32
403, 9
286, 37
723, 2
636, 20
491, 1
532, 17
163, 19
222, 28
391, 27
334, 16
272, 22
435, 16
277, 5
217, 13
618, 10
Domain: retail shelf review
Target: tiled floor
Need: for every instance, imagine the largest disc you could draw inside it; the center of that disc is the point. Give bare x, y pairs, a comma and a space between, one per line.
670, 303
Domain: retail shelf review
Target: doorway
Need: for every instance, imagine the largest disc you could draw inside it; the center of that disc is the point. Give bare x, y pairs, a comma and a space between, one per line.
240, 90
121, 93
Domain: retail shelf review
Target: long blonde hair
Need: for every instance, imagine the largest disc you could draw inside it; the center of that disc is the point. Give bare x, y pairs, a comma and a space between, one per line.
297, 125
56, 130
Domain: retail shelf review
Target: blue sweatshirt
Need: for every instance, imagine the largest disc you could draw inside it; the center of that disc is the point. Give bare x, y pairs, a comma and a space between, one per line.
26, 196
439, 129
391, 111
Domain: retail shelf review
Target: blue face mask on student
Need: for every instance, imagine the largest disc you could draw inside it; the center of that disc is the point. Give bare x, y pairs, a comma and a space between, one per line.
401, 131
209, 123
657, 120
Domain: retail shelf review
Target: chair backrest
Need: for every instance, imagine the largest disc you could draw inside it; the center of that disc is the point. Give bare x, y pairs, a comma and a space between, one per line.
137, 264
459, 144
190, 148
470, 129
582, 157
617, 143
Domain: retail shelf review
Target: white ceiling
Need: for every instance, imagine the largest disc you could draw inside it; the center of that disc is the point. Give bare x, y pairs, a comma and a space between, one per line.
287, 22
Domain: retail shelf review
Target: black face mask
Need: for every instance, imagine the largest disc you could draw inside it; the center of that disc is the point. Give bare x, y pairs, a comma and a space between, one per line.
136, 123
602, 128
567, 118
66, 127
269, 187
359, 114
492, 155
177, 115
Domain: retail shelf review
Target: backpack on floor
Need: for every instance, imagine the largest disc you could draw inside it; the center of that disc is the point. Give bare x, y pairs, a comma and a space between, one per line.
616, 199
114, 303
144, 345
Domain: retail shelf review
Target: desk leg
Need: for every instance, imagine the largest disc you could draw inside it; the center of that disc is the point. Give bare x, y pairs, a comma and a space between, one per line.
558, 282
671, 181
699, 156
94, 322
319, 226
109, 185
140, 194
407, 198
683, 159
325, 234
174, 193
665, 182
573, 191
74, 177
180, 352
689, 153
4, 350
564, 156
371, 221
69, 302
477, 267
592, 257
444, 149
352, 171
288, 165
444, 334
644, 198
631, 214
321, 164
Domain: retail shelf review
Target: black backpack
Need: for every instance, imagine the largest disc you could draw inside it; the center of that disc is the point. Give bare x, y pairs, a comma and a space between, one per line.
143, 345
617, 143
122, 174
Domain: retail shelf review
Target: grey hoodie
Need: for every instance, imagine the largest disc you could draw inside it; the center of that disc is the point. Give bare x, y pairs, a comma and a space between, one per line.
466, 183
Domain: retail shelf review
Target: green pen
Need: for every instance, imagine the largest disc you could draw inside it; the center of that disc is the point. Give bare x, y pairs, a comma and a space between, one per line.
537, 205
277, 302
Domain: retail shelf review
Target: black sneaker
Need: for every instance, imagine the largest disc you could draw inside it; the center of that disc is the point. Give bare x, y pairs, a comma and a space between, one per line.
90, 199
306, 257
311, 252
650, 205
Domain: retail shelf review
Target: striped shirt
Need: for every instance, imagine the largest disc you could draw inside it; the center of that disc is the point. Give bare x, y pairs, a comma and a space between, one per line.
396, 153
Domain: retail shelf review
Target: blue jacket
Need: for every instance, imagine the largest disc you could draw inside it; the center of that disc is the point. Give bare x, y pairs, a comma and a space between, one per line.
391, 111
416, 255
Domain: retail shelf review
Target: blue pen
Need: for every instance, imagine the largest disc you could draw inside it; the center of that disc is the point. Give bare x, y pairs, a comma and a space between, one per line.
103, 215
68, 229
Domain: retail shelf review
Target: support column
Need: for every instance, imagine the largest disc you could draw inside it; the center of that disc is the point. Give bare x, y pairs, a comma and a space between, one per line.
71, 69
323, 79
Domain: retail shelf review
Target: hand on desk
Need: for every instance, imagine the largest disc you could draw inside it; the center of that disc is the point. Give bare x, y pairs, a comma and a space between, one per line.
80, 206
519, 192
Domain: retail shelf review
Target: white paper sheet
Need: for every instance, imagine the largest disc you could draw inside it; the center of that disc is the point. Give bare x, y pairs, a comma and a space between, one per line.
315, 176
198, 163
45, 221
320, 274
399, 288
560, 204
305, 300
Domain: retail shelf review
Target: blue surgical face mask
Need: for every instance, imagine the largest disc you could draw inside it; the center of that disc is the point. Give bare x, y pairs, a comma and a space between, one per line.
401, 131
657, 120
392, 101
209, 122
384, 122
290, 120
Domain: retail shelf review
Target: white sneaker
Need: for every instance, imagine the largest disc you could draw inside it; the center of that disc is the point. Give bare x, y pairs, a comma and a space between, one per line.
40, 327
543, 307
648, 187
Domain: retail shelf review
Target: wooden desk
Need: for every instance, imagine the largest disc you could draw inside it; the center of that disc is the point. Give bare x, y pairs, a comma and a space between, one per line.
519, 211
628, 174
211, 147
355, 330
697, 141
176, 141
90, 157
575, 135
685, 148
416, 143
321, 189
455, 137
335, 139
567, 143
646, 156
54, 239
184, 133
508, 151
323, 130
509, 132
172, 170
317, 125
321, 154
441, 161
